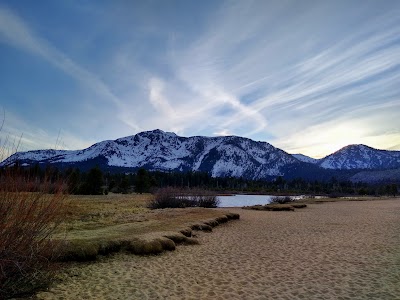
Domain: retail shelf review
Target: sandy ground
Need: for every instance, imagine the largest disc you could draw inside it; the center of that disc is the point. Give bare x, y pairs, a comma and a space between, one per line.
346, 250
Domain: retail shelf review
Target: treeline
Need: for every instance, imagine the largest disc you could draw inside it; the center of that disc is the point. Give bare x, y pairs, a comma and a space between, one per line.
97, 182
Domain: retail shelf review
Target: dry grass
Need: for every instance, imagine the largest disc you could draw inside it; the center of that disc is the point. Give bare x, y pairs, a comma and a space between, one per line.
28, 219
105, 224
87, 211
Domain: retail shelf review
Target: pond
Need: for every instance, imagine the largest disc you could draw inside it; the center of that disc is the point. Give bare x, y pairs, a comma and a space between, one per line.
245, 200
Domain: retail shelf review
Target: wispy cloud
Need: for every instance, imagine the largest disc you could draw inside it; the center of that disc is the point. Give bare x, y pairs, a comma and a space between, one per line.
349, 72
304, 76
15, 32
158, 100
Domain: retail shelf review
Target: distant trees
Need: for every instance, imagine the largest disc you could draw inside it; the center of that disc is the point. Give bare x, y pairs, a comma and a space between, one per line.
93, 183
73, 180
391, 189
142, 182
125, 184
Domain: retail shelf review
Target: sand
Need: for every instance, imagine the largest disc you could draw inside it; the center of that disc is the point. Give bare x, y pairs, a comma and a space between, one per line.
342, 250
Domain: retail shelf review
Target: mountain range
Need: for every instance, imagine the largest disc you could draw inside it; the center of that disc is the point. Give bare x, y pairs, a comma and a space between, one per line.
224, 156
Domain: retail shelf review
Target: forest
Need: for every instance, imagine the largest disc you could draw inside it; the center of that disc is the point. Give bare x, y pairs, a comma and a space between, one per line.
97, 182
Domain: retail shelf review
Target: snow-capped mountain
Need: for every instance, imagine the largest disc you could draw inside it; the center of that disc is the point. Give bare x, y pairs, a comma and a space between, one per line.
228, 156
361, 157
157, 150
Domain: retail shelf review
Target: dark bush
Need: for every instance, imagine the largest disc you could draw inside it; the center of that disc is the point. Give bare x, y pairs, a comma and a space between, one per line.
271, 207
334, 195
170, 198
300, 205
281, 199
208, 201
175, 198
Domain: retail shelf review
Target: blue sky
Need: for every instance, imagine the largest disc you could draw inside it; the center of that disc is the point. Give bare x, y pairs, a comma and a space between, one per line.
306, 76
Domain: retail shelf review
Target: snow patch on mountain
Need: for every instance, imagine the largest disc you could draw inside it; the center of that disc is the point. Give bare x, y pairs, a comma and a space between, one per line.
158, 150
361, 157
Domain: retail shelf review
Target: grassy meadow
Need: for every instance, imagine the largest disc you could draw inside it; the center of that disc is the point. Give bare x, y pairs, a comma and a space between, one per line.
110, 223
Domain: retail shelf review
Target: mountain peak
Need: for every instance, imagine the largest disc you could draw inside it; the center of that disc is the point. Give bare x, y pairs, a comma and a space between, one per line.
222, 156
158, 132
165, 151
356, 147
359, 156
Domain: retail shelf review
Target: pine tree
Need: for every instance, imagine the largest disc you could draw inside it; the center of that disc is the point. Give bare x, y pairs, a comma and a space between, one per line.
93, 183
142, 182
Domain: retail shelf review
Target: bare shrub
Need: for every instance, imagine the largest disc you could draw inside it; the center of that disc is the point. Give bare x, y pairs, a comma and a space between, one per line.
206, 199
28, 218
175, 198
281, 199
170, 198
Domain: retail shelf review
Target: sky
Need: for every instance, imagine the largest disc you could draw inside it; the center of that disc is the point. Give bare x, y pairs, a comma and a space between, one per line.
306, 76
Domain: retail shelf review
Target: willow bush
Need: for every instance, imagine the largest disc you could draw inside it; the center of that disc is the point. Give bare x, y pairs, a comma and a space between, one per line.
29, 216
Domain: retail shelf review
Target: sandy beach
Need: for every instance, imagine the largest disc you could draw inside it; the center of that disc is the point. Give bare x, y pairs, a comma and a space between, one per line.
341, 250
